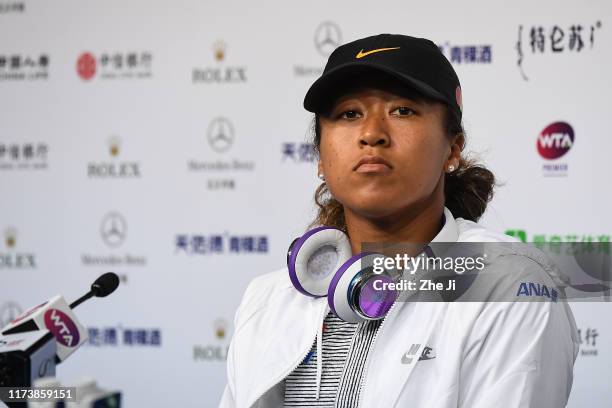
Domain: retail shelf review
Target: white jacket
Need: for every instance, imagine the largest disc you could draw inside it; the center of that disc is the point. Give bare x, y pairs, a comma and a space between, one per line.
486, 354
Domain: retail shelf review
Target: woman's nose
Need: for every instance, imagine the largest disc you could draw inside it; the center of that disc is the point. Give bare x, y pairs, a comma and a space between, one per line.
374, 131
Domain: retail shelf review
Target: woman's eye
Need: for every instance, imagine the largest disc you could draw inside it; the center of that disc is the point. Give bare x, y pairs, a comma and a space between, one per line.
349, 115
404, 111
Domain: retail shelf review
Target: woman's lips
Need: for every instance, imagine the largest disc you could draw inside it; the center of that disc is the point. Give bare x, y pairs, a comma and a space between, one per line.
373, 168
372, 164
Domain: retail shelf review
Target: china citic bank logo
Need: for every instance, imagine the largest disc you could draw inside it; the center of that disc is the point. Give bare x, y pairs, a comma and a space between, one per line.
86, 66
62, 327
555, 140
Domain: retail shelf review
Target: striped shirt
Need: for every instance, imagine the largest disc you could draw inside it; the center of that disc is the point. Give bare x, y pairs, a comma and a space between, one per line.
345, 348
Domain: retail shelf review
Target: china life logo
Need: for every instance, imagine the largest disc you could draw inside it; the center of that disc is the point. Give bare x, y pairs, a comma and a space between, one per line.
10, 257
23, 67
216, 351
553, 143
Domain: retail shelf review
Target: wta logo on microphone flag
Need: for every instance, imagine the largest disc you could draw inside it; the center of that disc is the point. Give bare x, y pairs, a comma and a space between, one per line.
62, 327
57, 317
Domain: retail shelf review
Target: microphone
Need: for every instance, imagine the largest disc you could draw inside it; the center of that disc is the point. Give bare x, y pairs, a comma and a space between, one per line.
102, 287
57, 317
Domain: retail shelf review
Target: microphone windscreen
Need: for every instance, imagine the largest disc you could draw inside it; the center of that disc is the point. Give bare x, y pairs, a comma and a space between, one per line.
105, 284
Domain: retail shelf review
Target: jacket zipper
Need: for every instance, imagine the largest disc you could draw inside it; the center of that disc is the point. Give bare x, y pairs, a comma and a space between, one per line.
287, 372
367, 365
346, 361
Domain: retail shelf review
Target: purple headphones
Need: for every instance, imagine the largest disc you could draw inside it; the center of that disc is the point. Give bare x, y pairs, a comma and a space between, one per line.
321, 263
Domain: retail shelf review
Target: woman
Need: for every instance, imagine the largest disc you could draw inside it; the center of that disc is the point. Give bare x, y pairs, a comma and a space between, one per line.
389, 136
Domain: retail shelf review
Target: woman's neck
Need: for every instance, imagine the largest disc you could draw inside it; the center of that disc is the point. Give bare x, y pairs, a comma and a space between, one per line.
414, 225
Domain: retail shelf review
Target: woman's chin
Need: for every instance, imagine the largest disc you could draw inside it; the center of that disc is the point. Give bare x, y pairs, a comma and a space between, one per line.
375, 208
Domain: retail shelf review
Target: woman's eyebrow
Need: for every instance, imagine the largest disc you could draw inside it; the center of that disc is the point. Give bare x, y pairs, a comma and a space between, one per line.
343, 102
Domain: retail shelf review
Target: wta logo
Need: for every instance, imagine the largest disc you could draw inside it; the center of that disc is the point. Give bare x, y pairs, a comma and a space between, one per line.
62, 327
555, 140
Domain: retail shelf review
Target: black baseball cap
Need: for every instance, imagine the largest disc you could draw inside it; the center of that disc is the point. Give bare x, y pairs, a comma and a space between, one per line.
416, 62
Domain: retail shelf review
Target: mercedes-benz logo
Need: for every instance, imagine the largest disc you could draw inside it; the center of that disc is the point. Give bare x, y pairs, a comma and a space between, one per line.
327, 38
113, 229
220, 134
8, 312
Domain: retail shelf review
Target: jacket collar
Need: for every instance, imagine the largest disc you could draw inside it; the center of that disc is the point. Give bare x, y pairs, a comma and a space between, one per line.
449, 232
448, 235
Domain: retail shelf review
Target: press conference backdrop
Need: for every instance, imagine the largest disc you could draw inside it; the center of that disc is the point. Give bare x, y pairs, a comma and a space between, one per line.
166, 141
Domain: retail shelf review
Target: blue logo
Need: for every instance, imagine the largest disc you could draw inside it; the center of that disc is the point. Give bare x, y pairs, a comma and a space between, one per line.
119, 336
219, 244
308, 357
467, 54
299, 152
537, 289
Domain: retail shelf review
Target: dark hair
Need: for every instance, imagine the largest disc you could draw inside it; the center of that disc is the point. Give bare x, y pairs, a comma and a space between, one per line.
467, 190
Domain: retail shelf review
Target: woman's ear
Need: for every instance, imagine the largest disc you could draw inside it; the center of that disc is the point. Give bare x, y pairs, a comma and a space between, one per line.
457, 144
454, 157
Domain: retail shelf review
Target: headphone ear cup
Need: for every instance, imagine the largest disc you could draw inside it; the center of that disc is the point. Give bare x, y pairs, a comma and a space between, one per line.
314, 257
352, 295
338, 292
290, 249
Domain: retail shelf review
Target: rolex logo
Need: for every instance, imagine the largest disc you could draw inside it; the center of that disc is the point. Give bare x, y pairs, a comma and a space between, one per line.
220, 328
113, 168
113, 144
10, 237
19, 260
219, 73
219, 48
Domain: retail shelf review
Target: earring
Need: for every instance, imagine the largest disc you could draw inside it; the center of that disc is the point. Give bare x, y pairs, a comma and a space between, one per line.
321, 177
451, 168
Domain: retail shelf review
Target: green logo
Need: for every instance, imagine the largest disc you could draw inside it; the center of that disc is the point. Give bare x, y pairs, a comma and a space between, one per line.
520, 234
